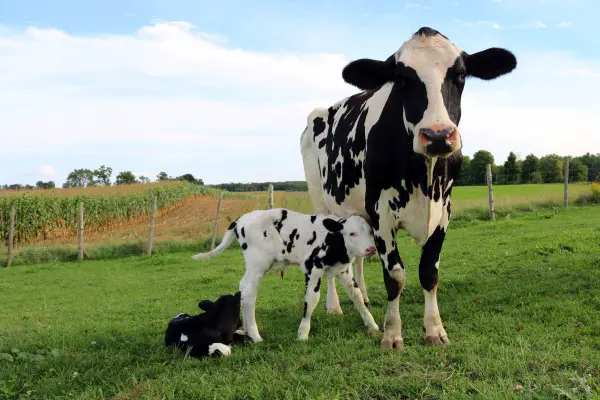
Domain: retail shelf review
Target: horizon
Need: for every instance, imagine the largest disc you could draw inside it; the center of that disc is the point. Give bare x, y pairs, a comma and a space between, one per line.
197, 88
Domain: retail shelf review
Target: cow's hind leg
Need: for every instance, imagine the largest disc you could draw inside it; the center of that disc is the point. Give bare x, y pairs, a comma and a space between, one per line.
351, 287
428, 275
311, 299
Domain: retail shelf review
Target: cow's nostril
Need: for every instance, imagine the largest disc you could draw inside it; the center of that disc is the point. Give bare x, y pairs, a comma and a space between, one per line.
437, 133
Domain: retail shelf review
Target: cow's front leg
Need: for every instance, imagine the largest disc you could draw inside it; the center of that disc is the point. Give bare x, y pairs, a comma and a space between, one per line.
311, 298
394, 278
332, 300
428, 275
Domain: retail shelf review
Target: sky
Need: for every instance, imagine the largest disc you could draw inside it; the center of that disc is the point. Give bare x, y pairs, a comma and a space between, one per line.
222, 89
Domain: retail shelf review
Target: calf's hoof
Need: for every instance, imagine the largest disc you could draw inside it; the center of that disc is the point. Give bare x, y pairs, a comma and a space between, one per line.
392, 341
302, 337
372, 332
440, 340
335, 310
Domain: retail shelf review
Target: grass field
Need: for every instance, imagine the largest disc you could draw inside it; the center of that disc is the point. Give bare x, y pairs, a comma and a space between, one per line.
520, 299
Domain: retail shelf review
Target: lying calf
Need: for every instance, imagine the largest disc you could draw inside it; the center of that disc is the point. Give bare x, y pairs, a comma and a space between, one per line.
209, 333
320, 245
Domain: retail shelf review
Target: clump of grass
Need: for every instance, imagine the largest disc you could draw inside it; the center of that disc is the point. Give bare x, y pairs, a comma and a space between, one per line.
593, 197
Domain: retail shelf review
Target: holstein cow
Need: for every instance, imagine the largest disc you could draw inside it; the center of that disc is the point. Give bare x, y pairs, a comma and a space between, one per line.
391, 154
321, 245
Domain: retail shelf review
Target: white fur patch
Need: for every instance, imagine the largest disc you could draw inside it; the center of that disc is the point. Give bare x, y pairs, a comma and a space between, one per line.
183, 338
222, 348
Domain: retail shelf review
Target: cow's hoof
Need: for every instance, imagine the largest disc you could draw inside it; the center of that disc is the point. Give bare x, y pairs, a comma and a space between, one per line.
334, 311
393, 343
441, 340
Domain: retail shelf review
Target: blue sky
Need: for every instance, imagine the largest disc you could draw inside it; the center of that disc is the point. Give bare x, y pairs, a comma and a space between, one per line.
222, 89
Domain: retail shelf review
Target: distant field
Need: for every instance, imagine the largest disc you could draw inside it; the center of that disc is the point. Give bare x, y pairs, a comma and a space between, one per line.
190, 212
520, 299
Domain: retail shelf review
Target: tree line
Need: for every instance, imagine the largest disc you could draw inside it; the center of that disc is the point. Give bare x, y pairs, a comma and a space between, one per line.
515, 170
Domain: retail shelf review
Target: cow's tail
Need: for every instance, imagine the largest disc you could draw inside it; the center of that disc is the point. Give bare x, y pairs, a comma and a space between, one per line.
228, 238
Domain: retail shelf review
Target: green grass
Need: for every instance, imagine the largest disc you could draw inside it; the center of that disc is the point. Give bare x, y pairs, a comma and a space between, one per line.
519, 297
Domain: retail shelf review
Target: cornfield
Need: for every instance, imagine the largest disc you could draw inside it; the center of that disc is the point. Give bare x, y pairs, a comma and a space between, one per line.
44, 216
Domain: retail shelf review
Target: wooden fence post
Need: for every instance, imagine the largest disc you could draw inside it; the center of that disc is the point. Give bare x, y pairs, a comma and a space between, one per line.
80, 232
151, 233
566, 201
11, 236
490, 192
270, 201
215, 228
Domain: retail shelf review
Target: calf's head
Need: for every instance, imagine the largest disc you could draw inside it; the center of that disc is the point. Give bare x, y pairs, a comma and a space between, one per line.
357, 234
428, 73
224, 312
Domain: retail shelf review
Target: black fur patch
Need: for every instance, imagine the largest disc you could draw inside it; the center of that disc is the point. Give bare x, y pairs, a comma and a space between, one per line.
244, 246
312, 240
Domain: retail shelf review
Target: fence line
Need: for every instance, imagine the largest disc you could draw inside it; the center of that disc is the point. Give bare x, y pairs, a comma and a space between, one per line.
270, 205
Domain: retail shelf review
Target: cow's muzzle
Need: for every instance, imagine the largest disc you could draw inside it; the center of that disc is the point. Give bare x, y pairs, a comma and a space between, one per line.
439, 140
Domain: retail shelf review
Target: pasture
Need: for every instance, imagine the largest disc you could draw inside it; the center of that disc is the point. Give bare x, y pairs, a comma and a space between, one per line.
519, 297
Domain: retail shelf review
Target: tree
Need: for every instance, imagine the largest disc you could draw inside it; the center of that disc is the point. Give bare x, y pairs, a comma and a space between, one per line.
592, 162
82, 177
511, 169
162, 176
190, 178
551, 168
126, 178
500, 176
478, 166
144, 179
465, 176
529, 168
103, 174
45, 185
578, 171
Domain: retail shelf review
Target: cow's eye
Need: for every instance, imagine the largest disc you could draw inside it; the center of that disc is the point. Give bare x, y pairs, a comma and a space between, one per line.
352, 233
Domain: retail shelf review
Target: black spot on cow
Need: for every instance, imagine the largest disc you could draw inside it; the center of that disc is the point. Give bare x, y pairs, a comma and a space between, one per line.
283, 251
324, 172
232, 225
279, 223
305, 307
237, 235
380, 245
332, 225
290, 244
354, 283
265, 233
318, 286
393, 259
436, 189
318, 126
313, 218
244, 246
297, 236
338, 169
312, 239
335, 249
322, 143
243, 232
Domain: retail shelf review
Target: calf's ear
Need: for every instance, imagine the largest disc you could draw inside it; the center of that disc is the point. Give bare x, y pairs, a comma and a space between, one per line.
367, 74
490, 63
206, 305
332, 225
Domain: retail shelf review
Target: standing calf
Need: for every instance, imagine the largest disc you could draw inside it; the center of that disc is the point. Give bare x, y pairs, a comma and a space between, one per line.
320, 245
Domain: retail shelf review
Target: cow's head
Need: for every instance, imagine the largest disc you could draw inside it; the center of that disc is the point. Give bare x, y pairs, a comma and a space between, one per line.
430, 72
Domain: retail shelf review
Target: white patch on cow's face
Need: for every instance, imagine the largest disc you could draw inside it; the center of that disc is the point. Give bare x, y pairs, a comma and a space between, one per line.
357, 235
430, 57
183, 338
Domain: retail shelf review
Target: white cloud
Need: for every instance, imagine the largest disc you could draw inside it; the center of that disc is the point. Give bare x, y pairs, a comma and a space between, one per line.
417, 6
47, 170
170, 98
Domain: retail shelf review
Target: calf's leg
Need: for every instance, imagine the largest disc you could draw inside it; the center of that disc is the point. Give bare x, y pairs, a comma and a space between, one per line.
256, 266
332, 300
311, 299
360, 279
351, 287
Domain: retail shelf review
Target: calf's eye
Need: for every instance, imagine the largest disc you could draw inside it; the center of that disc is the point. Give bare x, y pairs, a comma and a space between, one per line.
352, 233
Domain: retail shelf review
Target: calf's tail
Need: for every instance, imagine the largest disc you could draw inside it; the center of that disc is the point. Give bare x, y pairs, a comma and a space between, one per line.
225, 243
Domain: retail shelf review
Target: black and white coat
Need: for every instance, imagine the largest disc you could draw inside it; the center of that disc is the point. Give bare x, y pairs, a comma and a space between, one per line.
391, 154
323, 246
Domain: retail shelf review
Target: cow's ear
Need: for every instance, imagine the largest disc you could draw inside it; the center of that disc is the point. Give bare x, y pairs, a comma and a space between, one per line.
368, 74
490, 63
206, 305
332, 225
